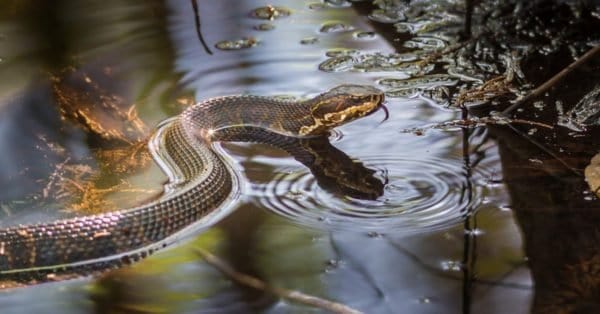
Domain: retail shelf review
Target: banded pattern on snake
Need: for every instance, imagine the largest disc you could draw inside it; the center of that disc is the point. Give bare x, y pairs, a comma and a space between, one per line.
201, 181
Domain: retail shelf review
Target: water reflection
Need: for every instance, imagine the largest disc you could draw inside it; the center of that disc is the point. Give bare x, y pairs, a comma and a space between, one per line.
420, 195
425, 267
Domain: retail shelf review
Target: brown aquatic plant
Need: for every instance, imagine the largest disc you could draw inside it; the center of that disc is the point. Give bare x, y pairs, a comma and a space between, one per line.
79, 186
492, 88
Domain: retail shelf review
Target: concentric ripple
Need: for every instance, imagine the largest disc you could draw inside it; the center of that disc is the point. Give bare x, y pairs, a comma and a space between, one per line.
419, 195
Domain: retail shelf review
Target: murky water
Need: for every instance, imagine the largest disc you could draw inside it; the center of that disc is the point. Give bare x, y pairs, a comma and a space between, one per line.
439, 236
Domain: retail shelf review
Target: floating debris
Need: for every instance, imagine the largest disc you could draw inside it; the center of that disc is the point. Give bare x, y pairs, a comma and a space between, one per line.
237, 44
270, 12
428, 23
403, 92
264, 27
439, 94
466, 75
404, 63
389, 11
585, 113
316, 6
339, 52
539, 105
337, 64
338, 3
433, 80
426, 43
335, 27
364, 35
592, 174
309, 40
382, 16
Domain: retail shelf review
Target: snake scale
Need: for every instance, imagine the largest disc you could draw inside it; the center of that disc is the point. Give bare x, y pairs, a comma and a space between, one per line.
200, 182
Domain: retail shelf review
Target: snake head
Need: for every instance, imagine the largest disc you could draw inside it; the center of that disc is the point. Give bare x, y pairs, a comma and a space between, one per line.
340, 105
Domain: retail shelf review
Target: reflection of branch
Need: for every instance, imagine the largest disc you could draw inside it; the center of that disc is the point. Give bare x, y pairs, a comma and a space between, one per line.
258, 284
358, 266
438, 272
197, 20
555, 79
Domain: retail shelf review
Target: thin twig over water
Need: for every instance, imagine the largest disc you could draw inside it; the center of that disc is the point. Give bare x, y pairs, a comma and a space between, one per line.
198, 31
258, 284
553, 80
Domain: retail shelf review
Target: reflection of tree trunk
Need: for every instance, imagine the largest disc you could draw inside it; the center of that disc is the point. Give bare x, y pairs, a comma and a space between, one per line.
559, 218
241, 230
559, 221
560, 228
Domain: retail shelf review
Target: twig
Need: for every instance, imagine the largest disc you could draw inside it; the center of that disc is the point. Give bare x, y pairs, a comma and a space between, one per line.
53, 177
437, 54
553, 80
197, 21
471, 123
258, 284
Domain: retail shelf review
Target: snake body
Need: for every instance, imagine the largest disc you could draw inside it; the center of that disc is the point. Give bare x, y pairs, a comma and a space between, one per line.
200, 182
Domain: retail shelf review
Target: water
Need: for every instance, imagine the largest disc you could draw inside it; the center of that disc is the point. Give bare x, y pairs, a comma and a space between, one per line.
444, 231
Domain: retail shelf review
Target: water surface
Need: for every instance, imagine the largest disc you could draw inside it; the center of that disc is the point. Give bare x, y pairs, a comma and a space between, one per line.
442, 238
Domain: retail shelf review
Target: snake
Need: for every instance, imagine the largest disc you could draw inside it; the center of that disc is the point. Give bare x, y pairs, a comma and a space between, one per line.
201, 180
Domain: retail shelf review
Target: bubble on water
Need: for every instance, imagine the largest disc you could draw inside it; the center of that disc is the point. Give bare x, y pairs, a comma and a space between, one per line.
270, 12
243, 43
424, 300
451, 265
335, 27
474, 232
532, 131
535, 161
505, 208
338, 3
264, 27
309, 40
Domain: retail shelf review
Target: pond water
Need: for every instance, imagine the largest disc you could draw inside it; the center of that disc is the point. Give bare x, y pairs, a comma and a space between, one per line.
442, 238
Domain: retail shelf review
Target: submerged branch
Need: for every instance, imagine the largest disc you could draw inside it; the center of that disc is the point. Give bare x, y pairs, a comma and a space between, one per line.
258, 284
